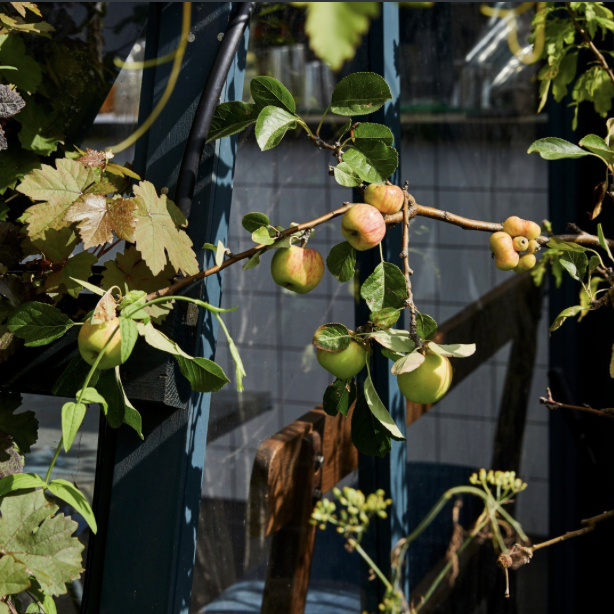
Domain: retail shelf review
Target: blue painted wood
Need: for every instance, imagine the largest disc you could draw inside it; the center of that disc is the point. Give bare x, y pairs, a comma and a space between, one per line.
388, 473
151, 519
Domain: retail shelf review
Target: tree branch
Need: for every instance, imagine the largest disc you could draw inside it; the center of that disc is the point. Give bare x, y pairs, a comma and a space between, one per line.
407, 272
550, 403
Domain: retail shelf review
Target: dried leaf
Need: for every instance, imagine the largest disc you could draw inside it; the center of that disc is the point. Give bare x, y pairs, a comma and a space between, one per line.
10, 102
93, 158
598, 196
105, 310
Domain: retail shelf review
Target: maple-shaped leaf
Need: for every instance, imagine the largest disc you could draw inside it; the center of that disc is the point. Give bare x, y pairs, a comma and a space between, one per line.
63, 280
33, 535
130, 272
10, 102
60, 187
99, 217
14, 579
157, 234
55, 245
10, 244
22, 427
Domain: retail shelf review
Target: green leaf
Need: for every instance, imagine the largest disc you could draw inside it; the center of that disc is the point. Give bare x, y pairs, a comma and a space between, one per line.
267, 91
407, 363
40, 128
456, 350
253, 221
133, 418
120, 410
72, 417
564, 246
372, 161
157, 235
332, 337
91, 287
13, 53
254, 261
598, 146
603, 242
262, 236
575, 263
380, 412
360, 93
394, 339
203, 374
593, 263
336, 28
14, 578
426, 326
22, 427
234, 352
230, 118
373, 132
129, 334
368, 434
56, 245
159, 340
73, 377
339, 396
66, 279
73, 496
570, 312
345, 176
394, 356
14, 165
385, 287
39, 324
20, 481
91, 395
272, 125
553, 148
385, 318
34, 535
341, 261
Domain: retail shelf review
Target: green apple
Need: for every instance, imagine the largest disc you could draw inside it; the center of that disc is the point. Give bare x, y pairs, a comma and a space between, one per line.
299, 269
92, 339
429, 382
346, 363
385, 198
363, 227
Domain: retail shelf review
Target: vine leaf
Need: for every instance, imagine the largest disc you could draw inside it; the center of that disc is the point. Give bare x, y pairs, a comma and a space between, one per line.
56, 245
360, 93
332, 337
10, 244
385, 287
39, 324
15, 166
22, 427
67, 278
14, 578
230, 118
34, 536
40, 128
157, 232
339, 397
99, 217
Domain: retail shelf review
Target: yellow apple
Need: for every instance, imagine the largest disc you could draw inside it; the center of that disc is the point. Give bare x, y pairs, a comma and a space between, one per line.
525, 263
429, 382
385, 198
502, 246
346, 363
363, 227
298, 269
92, 339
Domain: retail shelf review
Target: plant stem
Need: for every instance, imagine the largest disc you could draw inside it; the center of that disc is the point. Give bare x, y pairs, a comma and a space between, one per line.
550, 403
369, 561
55, 458
322, 120
407, 272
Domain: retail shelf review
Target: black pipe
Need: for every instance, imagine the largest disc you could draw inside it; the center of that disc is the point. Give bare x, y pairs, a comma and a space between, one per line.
186, 182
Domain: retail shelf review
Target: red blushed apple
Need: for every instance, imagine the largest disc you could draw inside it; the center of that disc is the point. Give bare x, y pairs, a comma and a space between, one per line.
92, 339
363, 227
299, 269
385, 198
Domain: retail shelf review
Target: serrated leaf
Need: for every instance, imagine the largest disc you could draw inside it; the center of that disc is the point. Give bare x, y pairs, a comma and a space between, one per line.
67, 492
394, 339
22, 427
121, 171
262, 236
385, 318
253, 221
563, 246
39, 324
66, 279
230, 118
56, 245
99, 218
368, 434
385, 287
603, 242
203, 374
339, 396
267, 91
345, 176
426, 326
360, 93
373, 132
33, 535
570, 312
407, 363
341, 261
272, 125
575, 263
13, 53
72, 417
553, 148
456, 350
14, 578
157, 235
332, 337
380, 412
372, 161
598, 146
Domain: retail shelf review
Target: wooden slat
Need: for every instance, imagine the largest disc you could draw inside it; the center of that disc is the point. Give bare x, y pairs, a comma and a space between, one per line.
490, 322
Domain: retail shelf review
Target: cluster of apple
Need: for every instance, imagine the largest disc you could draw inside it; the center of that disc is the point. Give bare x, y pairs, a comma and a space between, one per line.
517, 237
300, 269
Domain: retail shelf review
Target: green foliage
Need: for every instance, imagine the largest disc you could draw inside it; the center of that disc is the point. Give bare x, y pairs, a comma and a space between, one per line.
271, 126
39, 324
339, 397
332, 337
368, 434
341, 261
385, 287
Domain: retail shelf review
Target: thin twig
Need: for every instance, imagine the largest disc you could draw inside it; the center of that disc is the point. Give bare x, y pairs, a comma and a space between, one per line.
550, 403
407, 272
589, 42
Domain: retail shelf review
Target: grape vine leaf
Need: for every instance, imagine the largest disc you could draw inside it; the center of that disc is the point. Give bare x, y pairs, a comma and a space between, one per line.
157, 235
10, 244
34, 536
60, 187
56, 245
100, 217
14, 578
65, 279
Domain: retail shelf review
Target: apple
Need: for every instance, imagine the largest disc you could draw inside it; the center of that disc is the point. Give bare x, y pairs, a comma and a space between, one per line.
525, 263
517, 227
346, 363
298, 269
92, 339
520, 243
429, 382
363, 227
385, 198
533, 246
502, 246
